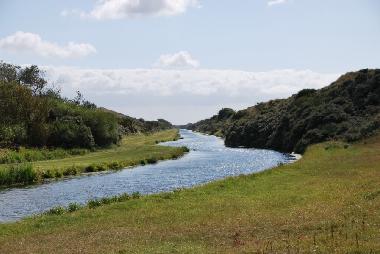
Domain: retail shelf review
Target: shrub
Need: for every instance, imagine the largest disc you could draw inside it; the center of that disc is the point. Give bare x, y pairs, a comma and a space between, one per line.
106, 201
58, 210
114, 165
123, 197
136, 195
101, 167
93, 203
151, 160
73, 170
185, 149
71, 132
58, 174
48, 174
73, 207
18, 174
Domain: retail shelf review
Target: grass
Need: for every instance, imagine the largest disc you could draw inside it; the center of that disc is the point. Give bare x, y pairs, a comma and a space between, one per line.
134, 150
23, 154
18, 173
328, 202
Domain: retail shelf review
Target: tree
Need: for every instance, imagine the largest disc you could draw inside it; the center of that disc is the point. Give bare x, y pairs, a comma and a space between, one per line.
34, 78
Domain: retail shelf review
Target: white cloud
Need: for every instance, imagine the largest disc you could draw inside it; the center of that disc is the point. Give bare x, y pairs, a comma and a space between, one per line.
119, 9
67, 12
182, 96
276, 2
180, 60
33, 43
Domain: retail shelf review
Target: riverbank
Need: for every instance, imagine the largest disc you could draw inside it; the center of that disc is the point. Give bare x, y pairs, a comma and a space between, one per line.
134, 150
327, 202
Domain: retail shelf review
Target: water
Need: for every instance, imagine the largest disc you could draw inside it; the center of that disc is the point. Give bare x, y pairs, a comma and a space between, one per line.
208, 160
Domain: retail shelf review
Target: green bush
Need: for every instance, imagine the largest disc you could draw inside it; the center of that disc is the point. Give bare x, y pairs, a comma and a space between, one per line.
73, 207
151, 160
18, 174
136, 195
58, 210
71, 132
72, 170
93, 203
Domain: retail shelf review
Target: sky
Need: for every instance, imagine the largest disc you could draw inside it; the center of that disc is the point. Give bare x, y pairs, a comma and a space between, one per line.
183, 60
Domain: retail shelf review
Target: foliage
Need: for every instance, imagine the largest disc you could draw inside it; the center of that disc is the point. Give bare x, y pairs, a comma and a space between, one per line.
18, 174
34, 114
348, 109
216, 125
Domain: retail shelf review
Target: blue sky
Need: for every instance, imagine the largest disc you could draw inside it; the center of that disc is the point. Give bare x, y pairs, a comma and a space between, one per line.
223, 48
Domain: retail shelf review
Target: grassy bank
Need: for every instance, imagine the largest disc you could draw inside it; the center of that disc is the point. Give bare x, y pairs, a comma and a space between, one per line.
328, 202
134, 150
23, 154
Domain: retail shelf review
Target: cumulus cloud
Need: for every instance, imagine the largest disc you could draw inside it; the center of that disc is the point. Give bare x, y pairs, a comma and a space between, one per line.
33, 43
120, 9
182, 95
180, 60
276, 2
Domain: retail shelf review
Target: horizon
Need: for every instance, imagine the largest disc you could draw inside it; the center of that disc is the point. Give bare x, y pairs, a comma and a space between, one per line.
183, 60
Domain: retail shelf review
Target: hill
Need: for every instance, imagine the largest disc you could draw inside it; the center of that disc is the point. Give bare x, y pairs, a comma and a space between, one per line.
348, 109
34, 114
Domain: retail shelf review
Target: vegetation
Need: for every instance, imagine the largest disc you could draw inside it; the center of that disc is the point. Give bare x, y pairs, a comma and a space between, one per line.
33, 114
18, 174
348, 109
38, 124
23, 154
328, 202
92, 204
217, 125
138, 149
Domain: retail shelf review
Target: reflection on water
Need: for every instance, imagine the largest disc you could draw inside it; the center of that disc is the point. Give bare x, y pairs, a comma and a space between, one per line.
208, 160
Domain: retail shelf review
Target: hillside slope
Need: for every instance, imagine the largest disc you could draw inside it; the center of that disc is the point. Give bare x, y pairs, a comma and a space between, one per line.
348, 109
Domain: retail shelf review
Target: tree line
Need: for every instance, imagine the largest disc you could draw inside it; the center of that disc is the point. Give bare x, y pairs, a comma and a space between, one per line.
33, 113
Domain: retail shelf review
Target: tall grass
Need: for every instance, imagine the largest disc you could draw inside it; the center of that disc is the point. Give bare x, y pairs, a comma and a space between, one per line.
135, 150
8, 156
92, 204
18, 174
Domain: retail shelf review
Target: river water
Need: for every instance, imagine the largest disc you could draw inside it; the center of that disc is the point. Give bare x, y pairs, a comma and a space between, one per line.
208, 160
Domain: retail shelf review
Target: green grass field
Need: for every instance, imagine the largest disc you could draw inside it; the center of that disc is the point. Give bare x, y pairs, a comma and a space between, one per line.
328, 202
134, 150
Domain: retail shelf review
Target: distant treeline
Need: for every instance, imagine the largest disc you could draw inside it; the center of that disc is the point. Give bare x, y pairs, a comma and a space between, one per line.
32, 113
348, 109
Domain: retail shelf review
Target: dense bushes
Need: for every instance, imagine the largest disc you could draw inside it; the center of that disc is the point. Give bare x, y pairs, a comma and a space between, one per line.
71, 132
34, 114
348, 109
18, 174
216, 125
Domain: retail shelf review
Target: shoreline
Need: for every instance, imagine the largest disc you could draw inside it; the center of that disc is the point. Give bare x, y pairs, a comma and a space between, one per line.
281, 203
113, 159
